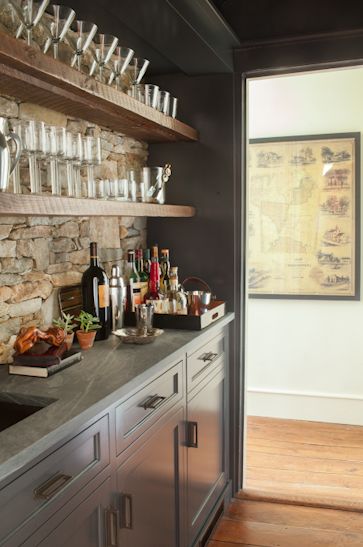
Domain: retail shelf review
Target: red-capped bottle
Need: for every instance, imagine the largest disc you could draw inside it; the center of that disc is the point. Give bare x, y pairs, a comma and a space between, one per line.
153, 292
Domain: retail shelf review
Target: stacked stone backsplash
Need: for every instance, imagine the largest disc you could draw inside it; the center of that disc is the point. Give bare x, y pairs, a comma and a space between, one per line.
40, 254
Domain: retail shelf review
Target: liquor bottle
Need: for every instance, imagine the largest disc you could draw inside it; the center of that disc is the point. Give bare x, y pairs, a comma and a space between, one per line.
177, 298
96, 294
153, 294
147, 262
143, 276
134, 295
164, 271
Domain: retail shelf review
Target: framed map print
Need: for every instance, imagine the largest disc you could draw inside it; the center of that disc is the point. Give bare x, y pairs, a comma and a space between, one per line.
303, 217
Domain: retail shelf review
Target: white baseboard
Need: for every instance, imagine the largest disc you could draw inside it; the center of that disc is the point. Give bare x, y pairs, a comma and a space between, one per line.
312, 406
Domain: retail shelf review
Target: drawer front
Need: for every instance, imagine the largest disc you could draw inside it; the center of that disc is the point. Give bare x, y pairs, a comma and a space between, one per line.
142, 409
55, 479
200, 362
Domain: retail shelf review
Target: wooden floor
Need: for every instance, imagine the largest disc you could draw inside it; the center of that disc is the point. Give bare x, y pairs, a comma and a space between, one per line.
312, 463
263, 524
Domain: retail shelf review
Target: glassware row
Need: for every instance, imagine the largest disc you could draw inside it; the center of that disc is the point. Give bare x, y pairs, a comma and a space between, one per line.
50, 25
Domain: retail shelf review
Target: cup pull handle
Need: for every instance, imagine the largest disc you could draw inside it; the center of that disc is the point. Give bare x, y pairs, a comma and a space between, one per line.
50, 488
192, 434
152, 402
13, 136
111, 518
126, 512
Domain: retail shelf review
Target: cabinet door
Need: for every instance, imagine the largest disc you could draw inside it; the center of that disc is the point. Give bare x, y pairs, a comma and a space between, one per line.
150, 487
206, 428
85, 526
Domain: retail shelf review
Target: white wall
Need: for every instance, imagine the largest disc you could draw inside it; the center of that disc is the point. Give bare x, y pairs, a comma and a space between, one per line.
305, 358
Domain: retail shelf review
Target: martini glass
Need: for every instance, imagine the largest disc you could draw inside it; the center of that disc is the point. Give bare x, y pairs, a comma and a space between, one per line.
105, 45
80, 40
120, 61
58, 27
29, 13
137, 69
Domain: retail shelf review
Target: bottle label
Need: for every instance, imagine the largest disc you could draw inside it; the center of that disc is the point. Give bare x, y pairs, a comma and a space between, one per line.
103, 296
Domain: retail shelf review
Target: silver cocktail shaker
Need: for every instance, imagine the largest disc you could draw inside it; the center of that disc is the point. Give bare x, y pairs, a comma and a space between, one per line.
118, 298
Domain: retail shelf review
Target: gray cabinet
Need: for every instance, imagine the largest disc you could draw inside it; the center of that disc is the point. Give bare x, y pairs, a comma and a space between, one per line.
206, 453
150, 486
93, 523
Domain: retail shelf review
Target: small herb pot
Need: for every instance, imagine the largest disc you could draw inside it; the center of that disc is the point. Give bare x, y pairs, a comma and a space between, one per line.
86, 339
69, 340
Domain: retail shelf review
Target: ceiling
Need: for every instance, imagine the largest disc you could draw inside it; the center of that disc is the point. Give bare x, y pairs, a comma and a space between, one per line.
271, 19
199, 36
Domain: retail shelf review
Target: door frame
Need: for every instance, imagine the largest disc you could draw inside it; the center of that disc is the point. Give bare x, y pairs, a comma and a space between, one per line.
253, 60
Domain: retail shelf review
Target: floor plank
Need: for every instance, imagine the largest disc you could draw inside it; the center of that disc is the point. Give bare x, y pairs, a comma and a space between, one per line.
279, 525
306, 462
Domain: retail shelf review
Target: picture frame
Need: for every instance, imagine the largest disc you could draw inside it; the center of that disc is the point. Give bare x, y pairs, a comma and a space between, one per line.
303, 201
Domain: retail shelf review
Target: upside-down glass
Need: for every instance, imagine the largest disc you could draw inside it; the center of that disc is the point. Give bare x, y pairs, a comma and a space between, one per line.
104, 46
120, 61
52, 153
91, 157
164, 102
137, 69
80, 38
58, 27
173, 106
29, 13
152, 95
27, 131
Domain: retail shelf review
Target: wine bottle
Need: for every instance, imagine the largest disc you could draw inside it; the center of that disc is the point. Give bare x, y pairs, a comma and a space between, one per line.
177, 298
96, 294
153, 294
134, 290
143, 276
147, 262
165, 271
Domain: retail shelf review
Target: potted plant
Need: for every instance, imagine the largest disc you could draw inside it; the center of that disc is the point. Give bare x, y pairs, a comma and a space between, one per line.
65, 322
88, 324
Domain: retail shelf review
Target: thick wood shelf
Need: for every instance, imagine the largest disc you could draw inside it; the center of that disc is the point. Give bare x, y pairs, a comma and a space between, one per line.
19, 204
29, 75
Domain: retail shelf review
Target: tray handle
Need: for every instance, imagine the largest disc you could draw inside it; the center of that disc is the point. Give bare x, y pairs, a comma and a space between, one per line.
205, 285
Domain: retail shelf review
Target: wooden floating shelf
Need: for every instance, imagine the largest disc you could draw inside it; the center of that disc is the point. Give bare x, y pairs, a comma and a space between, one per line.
29, 75
19, 204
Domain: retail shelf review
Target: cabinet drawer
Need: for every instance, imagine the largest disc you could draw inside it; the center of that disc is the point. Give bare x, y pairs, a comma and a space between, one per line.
55, 479
200, 362
138, 412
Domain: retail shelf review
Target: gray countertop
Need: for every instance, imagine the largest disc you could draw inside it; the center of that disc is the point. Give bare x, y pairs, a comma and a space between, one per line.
107, 374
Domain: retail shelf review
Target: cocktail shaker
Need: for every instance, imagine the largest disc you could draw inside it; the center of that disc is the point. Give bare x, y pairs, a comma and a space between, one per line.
118, 298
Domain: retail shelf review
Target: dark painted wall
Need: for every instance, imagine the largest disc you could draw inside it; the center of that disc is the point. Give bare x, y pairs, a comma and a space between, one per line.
203, 176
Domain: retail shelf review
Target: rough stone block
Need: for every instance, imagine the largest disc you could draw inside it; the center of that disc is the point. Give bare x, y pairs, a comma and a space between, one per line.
8, 108
25, 308
59, 268
31, 232
7, 248
68, 229
9, 279
41, 254
105, 230
5, 230
5, 293
63, 245
79, 257
16, 265
66, 278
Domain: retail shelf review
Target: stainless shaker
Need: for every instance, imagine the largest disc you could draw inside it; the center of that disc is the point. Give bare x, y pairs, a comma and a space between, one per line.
118, 298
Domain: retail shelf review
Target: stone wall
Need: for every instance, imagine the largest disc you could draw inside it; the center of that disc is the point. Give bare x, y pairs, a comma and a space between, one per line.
40, 254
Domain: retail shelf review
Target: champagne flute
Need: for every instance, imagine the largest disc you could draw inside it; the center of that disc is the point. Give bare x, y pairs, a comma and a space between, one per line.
120, 62
105, 45
29, 13
58, 27
80, 39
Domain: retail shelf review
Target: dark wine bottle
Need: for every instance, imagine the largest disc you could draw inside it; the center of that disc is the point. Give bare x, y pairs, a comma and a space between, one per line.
96, 294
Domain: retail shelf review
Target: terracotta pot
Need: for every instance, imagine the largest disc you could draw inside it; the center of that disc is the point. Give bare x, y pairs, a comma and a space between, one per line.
69, 340
86, 339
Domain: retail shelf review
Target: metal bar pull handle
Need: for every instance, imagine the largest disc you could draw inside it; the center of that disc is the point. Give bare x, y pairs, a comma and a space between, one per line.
51, 487
152, 402
208, 357
192, 434
111, 518
126, 511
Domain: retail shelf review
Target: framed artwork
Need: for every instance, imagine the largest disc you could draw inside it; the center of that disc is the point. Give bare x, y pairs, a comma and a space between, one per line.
304, 216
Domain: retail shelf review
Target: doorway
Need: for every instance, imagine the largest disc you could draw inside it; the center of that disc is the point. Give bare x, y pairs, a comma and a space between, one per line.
304, 381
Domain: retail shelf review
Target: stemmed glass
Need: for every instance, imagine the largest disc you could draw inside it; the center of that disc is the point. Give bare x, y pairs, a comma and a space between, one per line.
105, 45
80, 39
137, 69
120, 62
29, 13
58, 27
